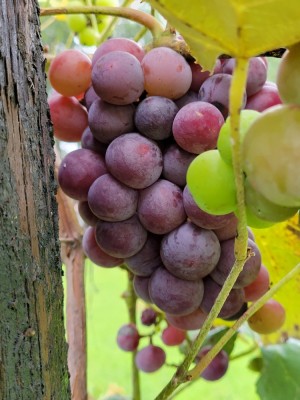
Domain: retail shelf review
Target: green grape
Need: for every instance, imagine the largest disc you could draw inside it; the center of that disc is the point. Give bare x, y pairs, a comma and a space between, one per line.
255, 222
288, 75
224, 140
271, 150
211, 183
265, 209
76, 22
103, 23
88, 37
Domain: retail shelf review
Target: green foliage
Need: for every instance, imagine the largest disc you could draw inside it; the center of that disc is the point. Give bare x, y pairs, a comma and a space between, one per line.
280, 374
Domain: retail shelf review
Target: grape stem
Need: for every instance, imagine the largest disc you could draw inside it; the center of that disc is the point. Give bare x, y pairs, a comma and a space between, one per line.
130, 299
203, 363
124, 12
236, 97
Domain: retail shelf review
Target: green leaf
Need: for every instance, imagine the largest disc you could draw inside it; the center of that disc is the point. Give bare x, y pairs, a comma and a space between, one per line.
280, 375
239, 28
216, 334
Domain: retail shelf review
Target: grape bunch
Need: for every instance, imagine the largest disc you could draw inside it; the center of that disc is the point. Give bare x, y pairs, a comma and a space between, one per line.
154, 177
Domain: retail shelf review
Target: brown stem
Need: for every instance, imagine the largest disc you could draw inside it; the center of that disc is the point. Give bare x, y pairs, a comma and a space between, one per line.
124, 12
73, 258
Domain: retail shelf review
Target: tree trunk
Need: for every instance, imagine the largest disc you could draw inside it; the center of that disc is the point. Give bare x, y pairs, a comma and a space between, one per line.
33, 351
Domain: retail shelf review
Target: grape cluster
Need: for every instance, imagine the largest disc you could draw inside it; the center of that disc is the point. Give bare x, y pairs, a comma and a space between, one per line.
145, 123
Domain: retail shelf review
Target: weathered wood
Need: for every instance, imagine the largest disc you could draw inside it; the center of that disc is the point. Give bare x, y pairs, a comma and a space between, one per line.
33, 351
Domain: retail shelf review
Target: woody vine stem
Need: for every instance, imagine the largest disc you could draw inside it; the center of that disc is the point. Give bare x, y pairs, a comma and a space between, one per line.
183, 374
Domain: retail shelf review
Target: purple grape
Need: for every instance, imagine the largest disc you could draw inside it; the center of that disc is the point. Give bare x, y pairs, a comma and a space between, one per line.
215, 90
108, 121
160, 207
121, 239
267, 97
175, 164
237, 315
190, 252
111, 200
226, 262
173, 295
154, 117
141, 287
229, 231
86, 213
257, 73
128, 337
89, 97
94, 253
88, 141
202, 218
121, 44
217, 367
187, 98
192, 321
134, 160
199, 76
117, 78
148, 317
196, 127
147, 259
150, 358
78, 170
232, 305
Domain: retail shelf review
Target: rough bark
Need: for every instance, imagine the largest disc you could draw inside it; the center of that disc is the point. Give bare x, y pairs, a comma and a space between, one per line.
33, 351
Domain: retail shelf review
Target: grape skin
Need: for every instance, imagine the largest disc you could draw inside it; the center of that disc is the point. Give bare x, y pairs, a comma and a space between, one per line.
173, 295
86, 213
141, 287
217, 367
201, 257
268, 319
121, 239
78, 170
196, 127
145, 262
108, 121
175, 164
117, 78
192, 321
267, 97
232, 304
259, 286
89, 97
226, 261
68, 117
134, 160
166, 73
160, 207
121, 44
70, 72
154, 117
172, 336
89, 142
128, 337
202, 218
111, 200
95, 253
150, 358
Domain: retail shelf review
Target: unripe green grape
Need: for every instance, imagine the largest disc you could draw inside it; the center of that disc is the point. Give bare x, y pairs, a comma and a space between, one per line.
255, 222
88, 36
224, 139
271, 158
263, 208
288, 75
211, 182
76, 22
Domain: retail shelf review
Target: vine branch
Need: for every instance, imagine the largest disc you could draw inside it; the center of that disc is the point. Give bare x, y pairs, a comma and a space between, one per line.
124, 12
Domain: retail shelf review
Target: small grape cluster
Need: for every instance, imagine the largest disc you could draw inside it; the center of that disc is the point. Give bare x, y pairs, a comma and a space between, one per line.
82, 25
149, 118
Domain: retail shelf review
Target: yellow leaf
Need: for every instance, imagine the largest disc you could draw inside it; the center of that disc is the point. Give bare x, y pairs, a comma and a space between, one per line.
239, 28
280, 248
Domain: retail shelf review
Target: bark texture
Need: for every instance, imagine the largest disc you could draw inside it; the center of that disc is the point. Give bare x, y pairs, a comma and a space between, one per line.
33, 351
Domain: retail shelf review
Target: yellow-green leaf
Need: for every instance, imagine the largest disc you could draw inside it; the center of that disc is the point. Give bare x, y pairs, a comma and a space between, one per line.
239, 28
280, 248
